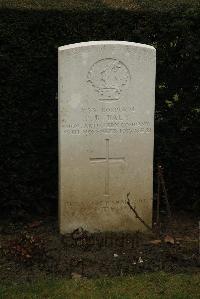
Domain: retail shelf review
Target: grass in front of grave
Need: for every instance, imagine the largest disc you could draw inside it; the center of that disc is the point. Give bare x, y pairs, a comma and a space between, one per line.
155, 285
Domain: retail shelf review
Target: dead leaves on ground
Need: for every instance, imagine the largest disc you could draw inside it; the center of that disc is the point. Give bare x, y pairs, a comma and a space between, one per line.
168, 239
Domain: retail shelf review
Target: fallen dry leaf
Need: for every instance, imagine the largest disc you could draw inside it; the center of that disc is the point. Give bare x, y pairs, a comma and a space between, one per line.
155, 242
76, 275
140, 260
35, 224
169, 239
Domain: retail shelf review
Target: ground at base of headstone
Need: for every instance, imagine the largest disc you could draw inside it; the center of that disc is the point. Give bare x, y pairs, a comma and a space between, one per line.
35, 249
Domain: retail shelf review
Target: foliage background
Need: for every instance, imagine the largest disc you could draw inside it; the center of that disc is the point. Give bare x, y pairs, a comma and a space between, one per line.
30, 33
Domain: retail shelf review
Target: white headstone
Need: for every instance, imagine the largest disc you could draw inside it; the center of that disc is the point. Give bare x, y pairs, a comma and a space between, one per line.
106, 135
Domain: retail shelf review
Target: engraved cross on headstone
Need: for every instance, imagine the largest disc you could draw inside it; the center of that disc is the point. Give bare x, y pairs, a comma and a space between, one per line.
107, 161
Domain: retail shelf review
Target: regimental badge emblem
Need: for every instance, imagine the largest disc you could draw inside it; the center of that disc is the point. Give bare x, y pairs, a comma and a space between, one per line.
109, 77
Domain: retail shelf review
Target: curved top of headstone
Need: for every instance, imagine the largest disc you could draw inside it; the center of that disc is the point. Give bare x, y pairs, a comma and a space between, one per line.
107, 42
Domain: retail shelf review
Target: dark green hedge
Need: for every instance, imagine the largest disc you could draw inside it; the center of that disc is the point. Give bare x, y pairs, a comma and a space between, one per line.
28, 59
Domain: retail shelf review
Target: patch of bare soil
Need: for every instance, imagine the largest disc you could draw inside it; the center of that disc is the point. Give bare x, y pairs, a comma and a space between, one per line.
35, 249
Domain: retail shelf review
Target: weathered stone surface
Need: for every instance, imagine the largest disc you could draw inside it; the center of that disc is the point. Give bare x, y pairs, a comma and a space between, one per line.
106, 135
